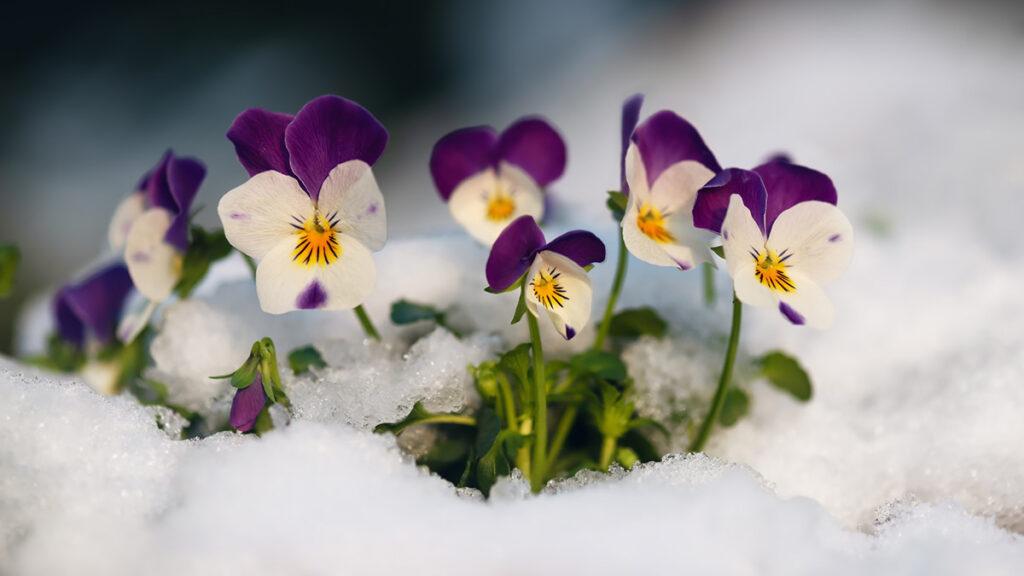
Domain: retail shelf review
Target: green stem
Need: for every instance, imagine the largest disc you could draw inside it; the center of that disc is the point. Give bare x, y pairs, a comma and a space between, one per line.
508, 401
561, 433
449, 419
613, 297
366, 323
540, 409
709, 283
723, 381
608, 446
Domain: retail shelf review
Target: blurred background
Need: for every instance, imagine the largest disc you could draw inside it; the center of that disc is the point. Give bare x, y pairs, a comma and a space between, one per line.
887, 97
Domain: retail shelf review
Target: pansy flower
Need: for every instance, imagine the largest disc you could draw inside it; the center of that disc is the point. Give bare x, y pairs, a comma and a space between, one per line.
782, 236
666, 164
311, 214
86, 315
247, 405
556, 281
490, 179
152, 224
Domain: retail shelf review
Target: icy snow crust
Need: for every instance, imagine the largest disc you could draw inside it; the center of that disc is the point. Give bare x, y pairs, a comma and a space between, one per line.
907, 461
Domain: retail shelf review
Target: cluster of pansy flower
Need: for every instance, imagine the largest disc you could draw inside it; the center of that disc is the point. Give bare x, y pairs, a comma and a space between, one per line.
311, 215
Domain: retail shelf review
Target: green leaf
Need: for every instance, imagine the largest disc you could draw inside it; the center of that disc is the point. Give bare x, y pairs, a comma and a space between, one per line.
517, 361
60, 356
10, 256
204, 249
736, 406
636, 322
301, 360
719, 251
406, 312
786, 374
617, 203
264, 423
420, 415
520, 308
612, 411
496, 461
600, 364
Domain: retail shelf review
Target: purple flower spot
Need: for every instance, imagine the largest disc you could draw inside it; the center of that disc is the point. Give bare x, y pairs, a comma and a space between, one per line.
725, 234
372, 208
684, 266
835, 238
312, 297
239, 216
140, 257
569, 332
791, 314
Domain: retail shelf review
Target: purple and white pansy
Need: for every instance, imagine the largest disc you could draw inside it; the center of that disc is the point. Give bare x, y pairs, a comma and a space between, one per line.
490, 179
666, 164
782, 235
555, 275
152, 224
311, 214
86, 315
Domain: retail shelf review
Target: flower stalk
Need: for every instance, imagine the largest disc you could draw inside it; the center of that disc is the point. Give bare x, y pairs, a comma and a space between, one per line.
540, 407
723, 382
613, 297
366, 323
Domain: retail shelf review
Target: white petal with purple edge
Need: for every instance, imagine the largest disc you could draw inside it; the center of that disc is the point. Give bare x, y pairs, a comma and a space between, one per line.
740, 236
819, 237
124, 216
350, 194
808, 302
636, 172
260, 213
154, 265
284, 285
561, 288
488, 202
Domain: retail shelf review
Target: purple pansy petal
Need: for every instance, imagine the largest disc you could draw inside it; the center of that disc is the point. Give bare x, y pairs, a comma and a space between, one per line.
513, 252
783, 157
570, 333
580, 246
535, 146
174, 182
459, 155
177, 234
328, 131
158, 189
96, 302
713, 199
790, 184
313, 297
665, 139
247, 405
258, 136
791, 314
630, 116
69, 327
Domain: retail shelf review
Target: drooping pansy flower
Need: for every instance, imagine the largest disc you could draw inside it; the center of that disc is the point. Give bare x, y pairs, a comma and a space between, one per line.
152, 224
311, 214
666, 164
247, 404
86, 315
490, 179
556, 281
782, 235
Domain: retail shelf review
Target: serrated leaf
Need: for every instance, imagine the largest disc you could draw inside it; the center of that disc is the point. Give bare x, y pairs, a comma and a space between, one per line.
302, 359
736, 406
785, 373
405, 312
10, 257
636, 322
598, 363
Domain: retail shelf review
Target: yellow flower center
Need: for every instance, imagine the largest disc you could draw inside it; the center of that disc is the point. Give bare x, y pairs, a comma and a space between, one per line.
316, 242
770, 270
651, 222
548, 290
500, 207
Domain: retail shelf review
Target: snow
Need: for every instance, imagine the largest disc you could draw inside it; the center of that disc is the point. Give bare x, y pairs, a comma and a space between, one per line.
907, 461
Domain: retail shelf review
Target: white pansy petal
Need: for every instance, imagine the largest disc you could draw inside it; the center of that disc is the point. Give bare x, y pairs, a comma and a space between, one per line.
740, 235
636, 172
154, 265
284, 284
124, 216
562, 289
259, 214
470, 202
102, 377
819, 238
673, 254
133, 323
749, 290
350, 194
808, 304
675, 191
